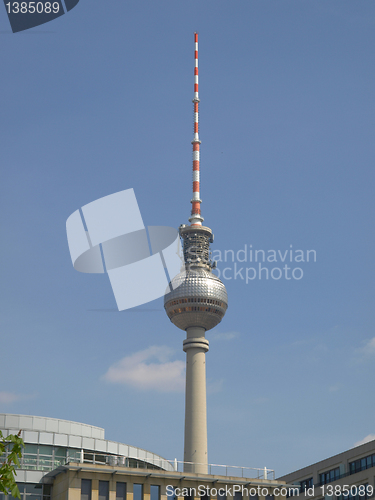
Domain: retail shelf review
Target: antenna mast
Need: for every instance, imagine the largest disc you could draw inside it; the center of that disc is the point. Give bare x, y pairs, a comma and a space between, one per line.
196, 219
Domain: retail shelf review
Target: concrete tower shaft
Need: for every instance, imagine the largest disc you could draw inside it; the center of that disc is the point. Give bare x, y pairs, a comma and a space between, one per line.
195, 451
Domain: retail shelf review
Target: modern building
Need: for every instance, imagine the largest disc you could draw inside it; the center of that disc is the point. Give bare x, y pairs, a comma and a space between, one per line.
65, 460
348, 476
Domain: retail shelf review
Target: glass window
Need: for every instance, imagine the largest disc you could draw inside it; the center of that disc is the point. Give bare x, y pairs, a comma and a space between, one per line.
237, 495
59, 456
221, 494
154, 492
45, 450
103, 490
21, 488
33, 491
307, 483
120, 491
31, 448
45, 462
85, 489
34, 488
46, 491
171, 495
60, 452
29, 462
100, 458
137, 491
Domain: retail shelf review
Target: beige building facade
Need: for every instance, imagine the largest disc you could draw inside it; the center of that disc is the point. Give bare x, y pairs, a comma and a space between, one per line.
347, 476
65, 460
95, 482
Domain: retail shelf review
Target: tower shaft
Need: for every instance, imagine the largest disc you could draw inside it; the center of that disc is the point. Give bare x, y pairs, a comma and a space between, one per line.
195, 452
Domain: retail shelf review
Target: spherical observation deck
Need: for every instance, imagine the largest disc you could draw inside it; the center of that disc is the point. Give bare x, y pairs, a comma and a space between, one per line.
198, 299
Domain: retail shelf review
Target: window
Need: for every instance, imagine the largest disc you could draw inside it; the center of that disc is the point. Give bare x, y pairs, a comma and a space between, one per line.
33, 491
21, 487
103, 490
356, 492
154, 492
30, 456
45, 457
329, 476
59, 456
237, 496
120, 491
171, 495
221, 494
137, 491
362, 464
47, 491
307, 483
85, 489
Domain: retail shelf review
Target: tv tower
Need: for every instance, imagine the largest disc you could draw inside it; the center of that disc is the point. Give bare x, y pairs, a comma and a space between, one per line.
196, 302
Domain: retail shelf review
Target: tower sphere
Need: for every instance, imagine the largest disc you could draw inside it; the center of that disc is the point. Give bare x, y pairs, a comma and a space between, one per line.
198, 298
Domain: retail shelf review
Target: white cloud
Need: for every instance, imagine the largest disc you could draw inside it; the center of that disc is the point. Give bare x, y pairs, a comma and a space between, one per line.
368, 350
149, 369
223, 336
333, 388
11, 397
8, 397
367, 439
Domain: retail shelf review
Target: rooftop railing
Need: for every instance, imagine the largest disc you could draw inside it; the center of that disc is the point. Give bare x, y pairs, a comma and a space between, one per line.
171, 465
229, 470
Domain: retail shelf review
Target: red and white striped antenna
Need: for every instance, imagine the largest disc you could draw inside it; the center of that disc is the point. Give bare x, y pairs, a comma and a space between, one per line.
196, 219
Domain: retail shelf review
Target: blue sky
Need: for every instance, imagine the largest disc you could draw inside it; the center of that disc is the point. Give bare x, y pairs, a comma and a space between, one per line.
99, 101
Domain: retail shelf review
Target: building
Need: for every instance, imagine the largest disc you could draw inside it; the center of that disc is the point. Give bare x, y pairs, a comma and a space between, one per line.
348, 476
65, 460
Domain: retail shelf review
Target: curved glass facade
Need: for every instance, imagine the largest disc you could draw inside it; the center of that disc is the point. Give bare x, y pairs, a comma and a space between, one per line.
51, 443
